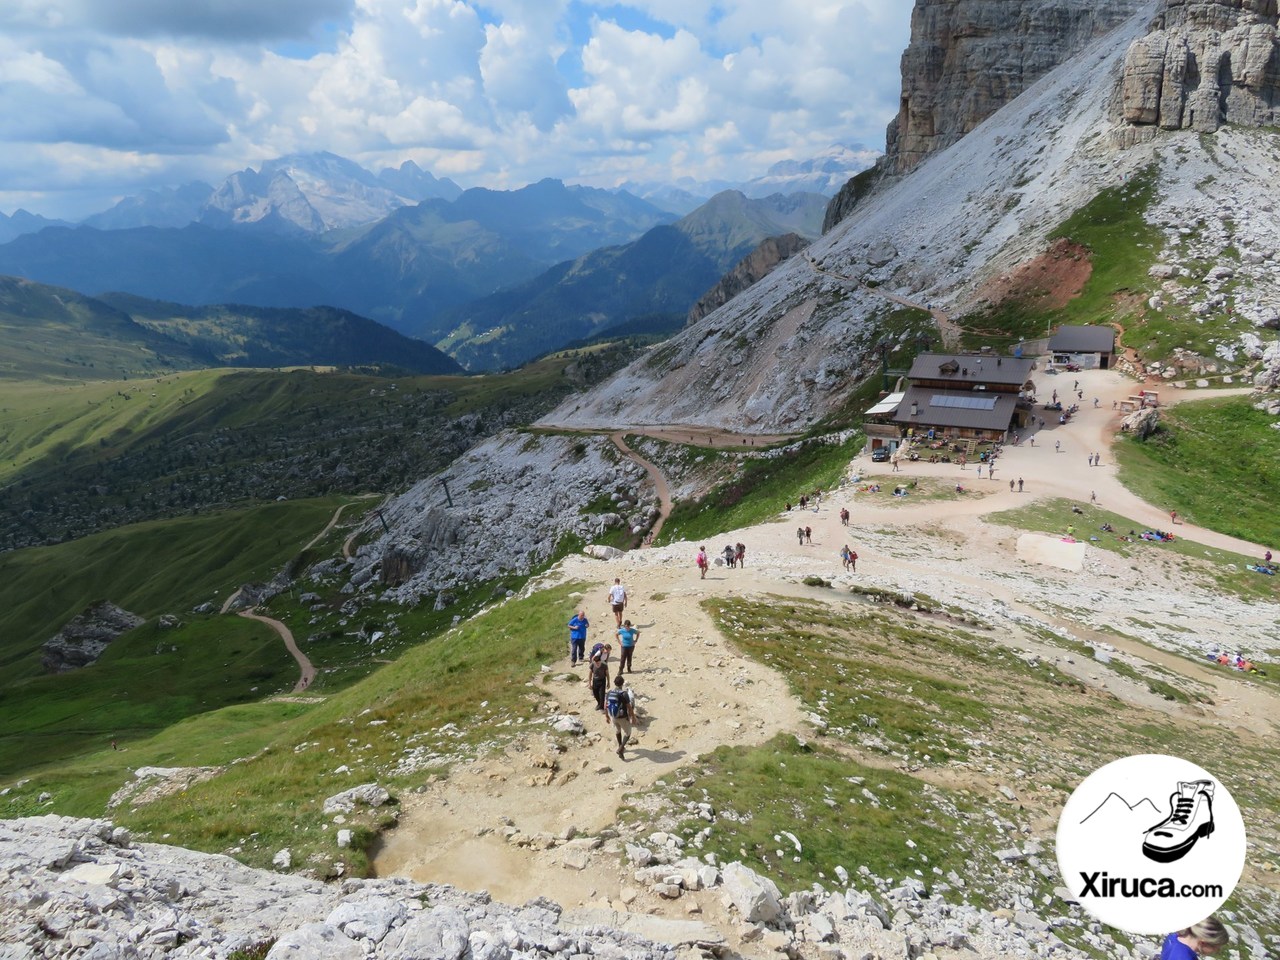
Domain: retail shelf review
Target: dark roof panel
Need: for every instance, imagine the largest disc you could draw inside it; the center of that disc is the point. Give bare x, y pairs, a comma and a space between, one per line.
971, 368
956, 408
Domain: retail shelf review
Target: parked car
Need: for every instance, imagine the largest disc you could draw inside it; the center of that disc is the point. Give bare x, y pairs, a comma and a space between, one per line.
880, 454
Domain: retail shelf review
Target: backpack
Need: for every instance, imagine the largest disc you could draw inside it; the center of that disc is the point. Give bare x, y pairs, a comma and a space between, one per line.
615, 702
595, 650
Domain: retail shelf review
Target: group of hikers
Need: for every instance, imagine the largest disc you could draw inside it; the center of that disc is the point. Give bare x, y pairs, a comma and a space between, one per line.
733, 555
617, 702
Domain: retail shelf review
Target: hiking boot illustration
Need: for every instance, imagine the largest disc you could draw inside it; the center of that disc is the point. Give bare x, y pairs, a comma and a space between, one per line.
1190, 818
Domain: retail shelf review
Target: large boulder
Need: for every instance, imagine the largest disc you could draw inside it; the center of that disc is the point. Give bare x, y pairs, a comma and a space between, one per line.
86, 636
367, 794
756, 898
1141, 423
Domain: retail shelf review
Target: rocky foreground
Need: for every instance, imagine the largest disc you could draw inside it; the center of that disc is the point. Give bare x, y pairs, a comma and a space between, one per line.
85, 889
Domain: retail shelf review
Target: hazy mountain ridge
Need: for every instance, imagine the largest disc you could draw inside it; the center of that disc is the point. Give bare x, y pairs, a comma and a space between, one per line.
825, 173
664, 272
56, 332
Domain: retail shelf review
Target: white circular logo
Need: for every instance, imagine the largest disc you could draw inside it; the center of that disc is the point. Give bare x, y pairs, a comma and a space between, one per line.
1151, 844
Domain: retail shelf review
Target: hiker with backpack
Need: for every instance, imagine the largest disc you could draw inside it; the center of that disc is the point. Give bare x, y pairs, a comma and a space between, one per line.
620, 708
701, 561
598, 672
627, 637
578, 638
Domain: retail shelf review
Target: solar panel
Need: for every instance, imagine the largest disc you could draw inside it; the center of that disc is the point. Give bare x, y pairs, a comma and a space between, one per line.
963, 402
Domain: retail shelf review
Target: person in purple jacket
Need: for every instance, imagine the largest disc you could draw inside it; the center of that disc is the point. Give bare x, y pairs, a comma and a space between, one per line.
1203, 939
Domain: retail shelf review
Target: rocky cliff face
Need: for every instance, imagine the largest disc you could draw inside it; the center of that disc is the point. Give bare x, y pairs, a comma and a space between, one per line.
751, 269
83, 639
1205, 63
968, 58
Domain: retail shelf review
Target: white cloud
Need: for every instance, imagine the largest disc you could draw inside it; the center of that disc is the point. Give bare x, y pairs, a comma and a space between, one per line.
501, 91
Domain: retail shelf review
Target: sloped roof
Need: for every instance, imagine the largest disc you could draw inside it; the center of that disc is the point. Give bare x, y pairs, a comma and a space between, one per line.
973, 410
887, 405
970, 368
1083, 340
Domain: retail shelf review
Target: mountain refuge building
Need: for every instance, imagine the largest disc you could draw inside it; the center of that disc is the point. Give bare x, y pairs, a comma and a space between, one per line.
955, 396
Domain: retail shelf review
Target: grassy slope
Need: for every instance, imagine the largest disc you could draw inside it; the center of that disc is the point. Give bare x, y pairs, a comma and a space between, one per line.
274, 798
1217, 462
1123, 246
760, 490
40, 420
146, 681
149, 569
923, 719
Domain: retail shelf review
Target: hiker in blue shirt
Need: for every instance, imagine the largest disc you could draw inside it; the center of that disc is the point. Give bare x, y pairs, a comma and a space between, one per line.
627, 637
578, 638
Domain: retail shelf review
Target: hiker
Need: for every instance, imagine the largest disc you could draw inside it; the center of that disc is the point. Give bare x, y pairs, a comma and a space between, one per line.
1266, 558
808, 535
853, 560
742, 554
702, 563
979, 471
618, 598
844, 556
1057, 446
1093, 496
800, 535
1203, 939
1173, 516
730, 555
578, 638
598, 674
1011, 486
627, 637
620, 708
1019, 484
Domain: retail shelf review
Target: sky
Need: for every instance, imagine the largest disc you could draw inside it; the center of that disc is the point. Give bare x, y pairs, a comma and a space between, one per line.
100, 100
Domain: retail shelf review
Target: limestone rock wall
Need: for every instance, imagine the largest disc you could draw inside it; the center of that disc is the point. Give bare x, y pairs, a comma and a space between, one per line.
968, 58
1205, 63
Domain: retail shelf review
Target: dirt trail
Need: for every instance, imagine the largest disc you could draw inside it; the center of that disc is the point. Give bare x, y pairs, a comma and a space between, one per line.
656, 476
308, 672
695, 694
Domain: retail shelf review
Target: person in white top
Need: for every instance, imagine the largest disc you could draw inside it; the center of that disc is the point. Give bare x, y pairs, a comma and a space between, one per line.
618, 598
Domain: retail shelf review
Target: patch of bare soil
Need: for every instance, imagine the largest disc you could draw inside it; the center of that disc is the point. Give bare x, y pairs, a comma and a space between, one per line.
1049, 282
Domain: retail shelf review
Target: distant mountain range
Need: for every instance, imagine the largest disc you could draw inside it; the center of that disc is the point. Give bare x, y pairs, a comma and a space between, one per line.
57, 333
494, 277
662, 274
824, 174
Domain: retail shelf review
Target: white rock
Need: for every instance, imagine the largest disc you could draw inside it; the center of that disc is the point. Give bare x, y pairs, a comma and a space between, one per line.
756, 898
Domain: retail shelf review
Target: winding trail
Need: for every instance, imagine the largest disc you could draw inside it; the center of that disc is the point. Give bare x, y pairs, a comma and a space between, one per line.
334, 520
659, 482
304, 664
